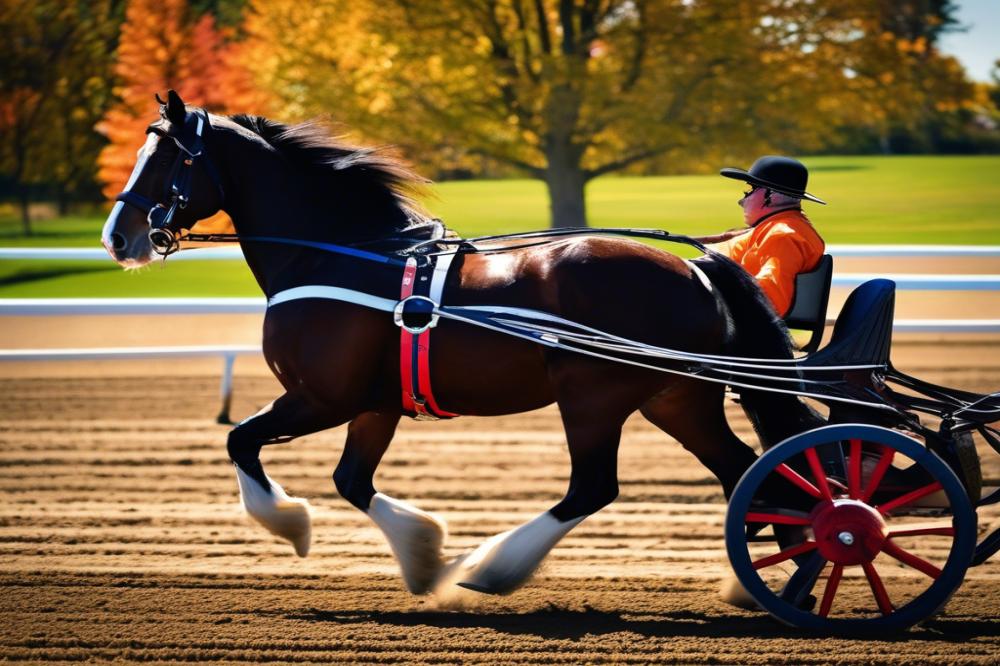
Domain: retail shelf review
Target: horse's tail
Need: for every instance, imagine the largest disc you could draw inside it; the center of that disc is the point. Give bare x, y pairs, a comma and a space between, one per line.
758, 332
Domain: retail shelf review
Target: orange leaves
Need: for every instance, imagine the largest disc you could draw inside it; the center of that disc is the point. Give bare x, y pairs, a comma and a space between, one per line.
163, 44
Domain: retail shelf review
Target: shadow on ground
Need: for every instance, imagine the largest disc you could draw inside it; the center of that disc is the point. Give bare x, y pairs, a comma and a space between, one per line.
574, 624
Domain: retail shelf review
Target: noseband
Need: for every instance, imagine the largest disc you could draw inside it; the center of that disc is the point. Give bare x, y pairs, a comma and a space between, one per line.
159, 215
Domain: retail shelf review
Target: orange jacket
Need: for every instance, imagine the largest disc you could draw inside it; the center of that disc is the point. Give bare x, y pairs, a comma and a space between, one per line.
775, 251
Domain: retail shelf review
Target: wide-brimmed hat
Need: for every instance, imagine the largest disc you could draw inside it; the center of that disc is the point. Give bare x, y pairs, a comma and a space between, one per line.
781, 174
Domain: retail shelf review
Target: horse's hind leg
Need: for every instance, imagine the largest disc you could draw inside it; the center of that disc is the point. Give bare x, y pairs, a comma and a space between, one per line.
693, 413
593, 420
286, 418
415, 536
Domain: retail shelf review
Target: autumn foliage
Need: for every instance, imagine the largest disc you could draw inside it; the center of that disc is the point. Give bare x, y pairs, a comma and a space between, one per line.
165, 45
560, 90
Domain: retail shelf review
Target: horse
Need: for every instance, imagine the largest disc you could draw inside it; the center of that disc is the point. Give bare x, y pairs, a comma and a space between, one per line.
289, 189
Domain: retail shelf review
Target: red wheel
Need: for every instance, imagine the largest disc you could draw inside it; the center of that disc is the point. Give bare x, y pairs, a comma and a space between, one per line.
850, 528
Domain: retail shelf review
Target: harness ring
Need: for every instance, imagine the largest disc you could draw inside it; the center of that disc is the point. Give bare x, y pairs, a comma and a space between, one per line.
399, 313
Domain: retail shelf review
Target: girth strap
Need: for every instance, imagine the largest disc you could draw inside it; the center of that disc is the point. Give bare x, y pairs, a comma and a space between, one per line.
420, 282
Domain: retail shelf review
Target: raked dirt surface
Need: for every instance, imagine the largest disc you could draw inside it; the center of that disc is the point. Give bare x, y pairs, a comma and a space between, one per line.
121, 539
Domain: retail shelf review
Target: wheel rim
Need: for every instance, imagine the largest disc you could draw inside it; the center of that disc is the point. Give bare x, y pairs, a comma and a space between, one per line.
858, 529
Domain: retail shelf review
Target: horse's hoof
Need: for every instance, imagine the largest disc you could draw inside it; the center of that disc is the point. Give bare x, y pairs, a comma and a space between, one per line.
506, 561
477, 588
415, 537
291, 521
281, 515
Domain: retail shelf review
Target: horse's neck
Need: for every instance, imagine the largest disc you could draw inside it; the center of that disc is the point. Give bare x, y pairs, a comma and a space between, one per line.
266, 197
263, 198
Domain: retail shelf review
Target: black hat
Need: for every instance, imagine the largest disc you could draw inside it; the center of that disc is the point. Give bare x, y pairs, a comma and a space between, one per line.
781, 174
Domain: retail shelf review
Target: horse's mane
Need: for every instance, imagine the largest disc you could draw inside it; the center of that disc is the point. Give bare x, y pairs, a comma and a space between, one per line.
312, 147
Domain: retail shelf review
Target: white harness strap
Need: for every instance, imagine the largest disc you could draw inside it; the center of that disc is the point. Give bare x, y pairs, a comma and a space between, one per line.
439, 276
701, 275
333, 293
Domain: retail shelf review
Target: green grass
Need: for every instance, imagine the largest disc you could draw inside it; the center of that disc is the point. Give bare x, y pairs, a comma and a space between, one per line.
920, 199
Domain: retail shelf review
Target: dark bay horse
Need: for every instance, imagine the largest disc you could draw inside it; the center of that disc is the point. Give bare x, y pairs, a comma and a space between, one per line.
339, 362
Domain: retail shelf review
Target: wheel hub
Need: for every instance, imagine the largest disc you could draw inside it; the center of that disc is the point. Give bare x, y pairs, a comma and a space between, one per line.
848, 531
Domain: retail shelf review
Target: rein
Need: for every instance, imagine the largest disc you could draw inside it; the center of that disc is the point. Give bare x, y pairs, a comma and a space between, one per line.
314, 245
461, 245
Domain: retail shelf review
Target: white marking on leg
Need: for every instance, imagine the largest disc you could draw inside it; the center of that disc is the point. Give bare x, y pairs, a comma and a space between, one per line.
415, 538
281, 515
505, 562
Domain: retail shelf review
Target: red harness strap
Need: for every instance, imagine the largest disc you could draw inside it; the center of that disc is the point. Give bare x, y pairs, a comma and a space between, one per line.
414, 360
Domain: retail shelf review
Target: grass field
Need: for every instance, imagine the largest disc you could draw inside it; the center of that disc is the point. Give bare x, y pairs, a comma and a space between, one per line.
919, 199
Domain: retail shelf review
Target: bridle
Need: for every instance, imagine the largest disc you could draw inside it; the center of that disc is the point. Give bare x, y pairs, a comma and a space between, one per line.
191, 144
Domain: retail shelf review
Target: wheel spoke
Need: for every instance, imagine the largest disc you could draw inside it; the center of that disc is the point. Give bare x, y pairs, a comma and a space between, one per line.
800, 481
878, 588
909, 497
778, 517
908, 558
854, 471
879, 472
784, 555
818, 473
830, 591
925, 529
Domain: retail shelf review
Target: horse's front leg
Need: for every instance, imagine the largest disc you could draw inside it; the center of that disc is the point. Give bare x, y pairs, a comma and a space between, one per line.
286, 418
415, 536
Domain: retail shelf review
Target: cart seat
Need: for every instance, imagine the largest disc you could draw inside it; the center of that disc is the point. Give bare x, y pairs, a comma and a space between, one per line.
863, 331
808, 309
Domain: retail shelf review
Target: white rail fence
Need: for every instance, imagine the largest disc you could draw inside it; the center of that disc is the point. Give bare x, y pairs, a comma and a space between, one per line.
167, 306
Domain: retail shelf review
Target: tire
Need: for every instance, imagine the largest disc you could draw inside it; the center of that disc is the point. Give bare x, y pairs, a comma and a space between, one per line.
856, 525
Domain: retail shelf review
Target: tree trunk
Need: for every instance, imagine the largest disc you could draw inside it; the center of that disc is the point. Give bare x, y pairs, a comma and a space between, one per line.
564, 174
25, 200
62, 199
567, 203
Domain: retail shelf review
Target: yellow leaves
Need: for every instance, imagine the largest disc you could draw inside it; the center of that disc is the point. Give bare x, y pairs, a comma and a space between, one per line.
435, 68
380, 102
483, 46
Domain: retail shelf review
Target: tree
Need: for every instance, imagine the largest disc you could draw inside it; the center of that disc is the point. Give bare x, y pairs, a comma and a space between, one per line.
53, 86
163, 44
569, 90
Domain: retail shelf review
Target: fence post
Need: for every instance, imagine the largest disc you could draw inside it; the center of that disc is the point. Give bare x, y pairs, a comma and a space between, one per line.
226, 389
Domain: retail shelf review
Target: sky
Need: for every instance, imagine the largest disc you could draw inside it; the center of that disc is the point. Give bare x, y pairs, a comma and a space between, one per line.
979, 47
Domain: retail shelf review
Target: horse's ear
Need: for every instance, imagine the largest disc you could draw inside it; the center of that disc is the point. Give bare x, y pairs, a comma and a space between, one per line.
176, 113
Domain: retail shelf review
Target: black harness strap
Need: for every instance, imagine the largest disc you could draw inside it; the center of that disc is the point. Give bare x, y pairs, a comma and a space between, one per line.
191, 145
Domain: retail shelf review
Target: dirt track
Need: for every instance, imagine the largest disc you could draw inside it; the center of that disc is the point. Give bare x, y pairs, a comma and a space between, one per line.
122, 539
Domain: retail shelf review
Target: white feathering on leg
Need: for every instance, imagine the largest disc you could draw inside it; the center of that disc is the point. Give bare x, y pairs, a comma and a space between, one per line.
415, 537
281, 515
506, 561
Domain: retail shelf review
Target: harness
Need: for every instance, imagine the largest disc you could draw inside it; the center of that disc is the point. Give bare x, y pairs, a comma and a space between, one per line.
420, 294
419, 271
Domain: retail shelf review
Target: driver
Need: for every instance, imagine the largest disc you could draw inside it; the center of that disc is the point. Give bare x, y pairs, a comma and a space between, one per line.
781, 242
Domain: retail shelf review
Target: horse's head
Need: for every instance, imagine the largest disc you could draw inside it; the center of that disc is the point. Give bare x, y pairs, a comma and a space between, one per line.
172, 186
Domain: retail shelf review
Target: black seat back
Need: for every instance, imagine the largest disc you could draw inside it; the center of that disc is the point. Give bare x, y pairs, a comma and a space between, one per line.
812, 295
863, 332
